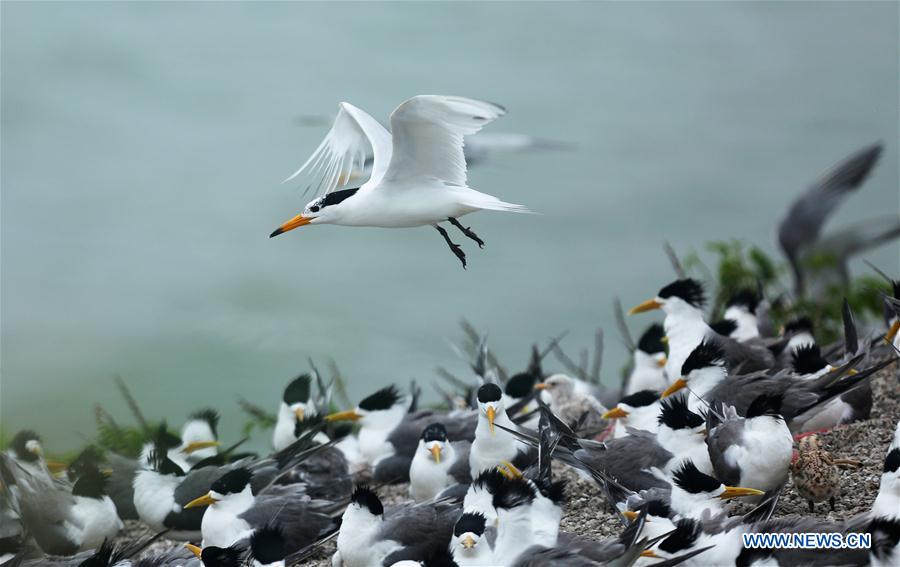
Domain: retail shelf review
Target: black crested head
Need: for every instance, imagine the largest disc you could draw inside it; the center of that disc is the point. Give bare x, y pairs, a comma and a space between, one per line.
658, 508
765, 404
675, 414
267, 545
383, 399
489, 480
365, 497
20, 445
651, 341
555, 491
892, 461
213, 556
232, 482
686, 533
746, 298
88, 459
521, 385
798, 325
434, 432
470, 522
297, 392
689, 290
640, 399
689, 478
164, 439
807, 359
161, 463
210, 416
90, 484
724, 327
706, 354
512, 493
489, 393
308, 423
336, 197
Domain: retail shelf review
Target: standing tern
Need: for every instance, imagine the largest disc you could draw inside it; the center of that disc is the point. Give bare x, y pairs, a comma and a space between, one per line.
636, 411
686, 328
494, 445
389, 434
371, 536
418, 171
296, 405
741, 308
63, 519
754, 450
637, 459
471, 541
234, 512
438, 463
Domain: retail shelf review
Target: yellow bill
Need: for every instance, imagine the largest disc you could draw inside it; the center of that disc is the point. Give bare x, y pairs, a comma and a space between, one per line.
349, 415
676, 385
738, 491
615, 413
892, 332
295, 222
197, 445
648, 305
205, 500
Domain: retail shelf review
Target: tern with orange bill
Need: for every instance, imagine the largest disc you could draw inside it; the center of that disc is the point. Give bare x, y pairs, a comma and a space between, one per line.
686, 327
438, 463
494, 445
418, 171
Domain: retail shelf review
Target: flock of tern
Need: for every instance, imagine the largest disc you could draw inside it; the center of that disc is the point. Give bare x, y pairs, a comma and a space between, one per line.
711, 412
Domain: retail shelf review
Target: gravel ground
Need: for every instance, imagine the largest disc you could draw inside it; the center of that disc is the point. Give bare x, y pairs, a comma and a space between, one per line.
587, 514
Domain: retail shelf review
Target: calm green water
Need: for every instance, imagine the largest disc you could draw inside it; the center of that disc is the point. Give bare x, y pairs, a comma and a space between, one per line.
144, 144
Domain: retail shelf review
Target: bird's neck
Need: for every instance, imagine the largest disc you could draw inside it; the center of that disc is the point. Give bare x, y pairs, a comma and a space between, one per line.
747, 327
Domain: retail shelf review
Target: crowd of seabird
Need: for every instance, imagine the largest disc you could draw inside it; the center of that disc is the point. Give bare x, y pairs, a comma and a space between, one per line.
737, 418
711, 411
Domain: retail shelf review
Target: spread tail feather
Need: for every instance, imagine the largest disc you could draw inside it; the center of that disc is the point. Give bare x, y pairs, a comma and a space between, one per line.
483, 201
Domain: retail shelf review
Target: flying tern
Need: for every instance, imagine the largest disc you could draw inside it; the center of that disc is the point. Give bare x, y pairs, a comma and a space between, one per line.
418, 172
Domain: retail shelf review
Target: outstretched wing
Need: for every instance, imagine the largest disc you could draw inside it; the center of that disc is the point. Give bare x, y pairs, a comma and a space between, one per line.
809, 212
343, 152
428, 133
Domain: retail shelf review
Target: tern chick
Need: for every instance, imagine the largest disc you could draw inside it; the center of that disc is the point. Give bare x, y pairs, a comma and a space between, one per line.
815, 473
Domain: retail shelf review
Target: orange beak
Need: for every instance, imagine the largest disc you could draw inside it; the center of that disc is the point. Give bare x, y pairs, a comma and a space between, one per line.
676, 385
648, 305
436, 453
631, 515
615, 413
295, 222
892, 332
540, 386
490, 415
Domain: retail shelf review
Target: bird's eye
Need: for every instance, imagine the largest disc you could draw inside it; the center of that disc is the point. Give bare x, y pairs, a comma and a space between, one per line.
314, 208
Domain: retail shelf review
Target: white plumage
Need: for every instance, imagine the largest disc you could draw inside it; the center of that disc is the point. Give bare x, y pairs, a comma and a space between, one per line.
418, 174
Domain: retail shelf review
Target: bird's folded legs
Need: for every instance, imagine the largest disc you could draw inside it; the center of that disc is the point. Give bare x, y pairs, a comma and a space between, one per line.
467, 230
455, 248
